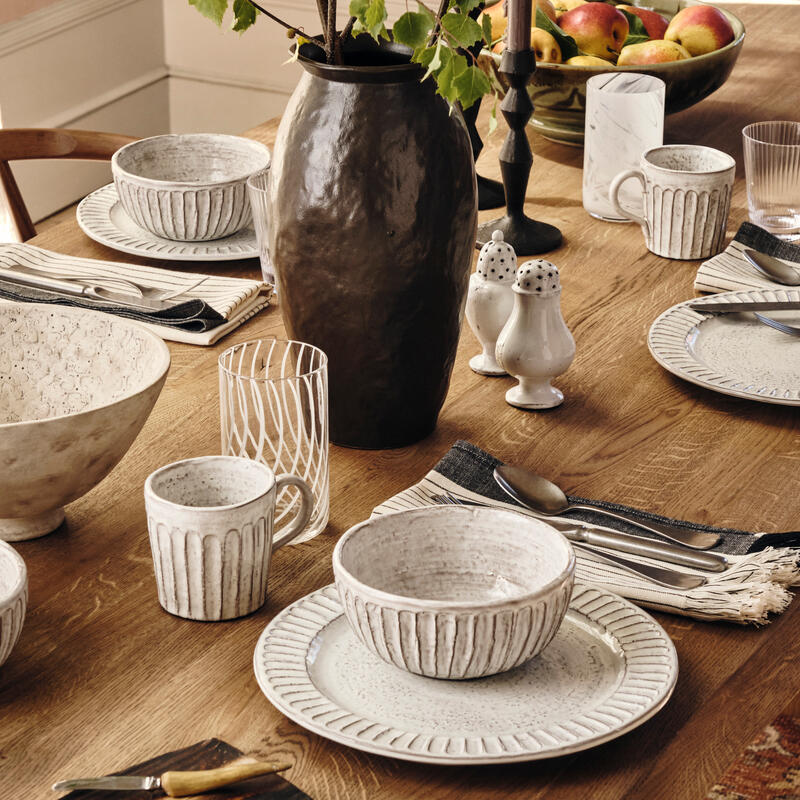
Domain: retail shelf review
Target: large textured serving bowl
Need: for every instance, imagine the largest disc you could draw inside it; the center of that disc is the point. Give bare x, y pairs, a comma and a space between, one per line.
188, 187
76, 386
454, 591
558, 91
13, 598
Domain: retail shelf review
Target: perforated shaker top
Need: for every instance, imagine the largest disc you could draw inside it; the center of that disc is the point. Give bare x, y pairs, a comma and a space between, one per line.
497, 260
538, 277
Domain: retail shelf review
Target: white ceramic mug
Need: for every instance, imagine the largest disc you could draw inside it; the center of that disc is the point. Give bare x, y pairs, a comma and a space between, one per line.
686, 196
211, 523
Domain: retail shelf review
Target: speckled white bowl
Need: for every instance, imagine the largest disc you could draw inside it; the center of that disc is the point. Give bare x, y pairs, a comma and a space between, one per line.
76, 388
454, 591
188, 187
13, 598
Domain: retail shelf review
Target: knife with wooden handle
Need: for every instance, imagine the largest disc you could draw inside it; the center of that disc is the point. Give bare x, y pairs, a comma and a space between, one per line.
176, 784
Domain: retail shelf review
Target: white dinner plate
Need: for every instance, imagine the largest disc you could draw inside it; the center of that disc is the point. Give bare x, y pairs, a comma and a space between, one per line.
609, 668
102, 218
732, 354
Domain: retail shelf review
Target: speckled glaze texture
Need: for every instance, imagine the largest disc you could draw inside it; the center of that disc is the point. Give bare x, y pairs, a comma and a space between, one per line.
558, 91
535, 345
686, 196
77, 387
211, 522
454, 592
374, 210
13, 598
490, 300
188, 187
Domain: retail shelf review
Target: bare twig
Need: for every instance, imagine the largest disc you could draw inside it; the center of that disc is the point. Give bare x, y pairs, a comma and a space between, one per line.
322, 9
286, 24
330, 33
442, 11
347, 30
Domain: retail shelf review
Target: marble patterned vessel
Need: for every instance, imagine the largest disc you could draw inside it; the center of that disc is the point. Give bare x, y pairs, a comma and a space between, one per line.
454, 591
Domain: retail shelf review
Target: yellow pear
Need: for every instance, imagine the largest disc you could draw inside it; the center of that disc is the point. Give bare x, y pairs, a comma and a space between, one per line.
545, 46
588, 61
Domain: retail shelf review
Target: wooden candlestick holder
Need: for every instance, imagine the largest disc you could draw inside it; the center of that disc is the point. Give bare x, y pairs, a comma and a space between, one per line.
527, 236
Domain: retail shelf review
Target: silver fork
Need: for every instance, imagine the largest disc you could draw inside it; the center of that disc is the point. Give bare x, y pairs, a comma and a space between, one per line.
660, 575
783, 327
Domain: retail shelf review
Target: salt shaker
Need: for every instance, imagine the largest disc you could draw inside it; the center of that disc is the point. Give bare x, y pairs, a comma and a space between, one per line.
490, 300
535, 345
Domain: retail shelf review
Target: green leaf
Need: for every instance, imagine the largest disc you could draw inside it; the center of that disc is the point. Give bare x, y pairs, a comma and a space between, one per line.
244, 13
412, 29
637, 32
453, 66
567, 44
486, 23
213, 9
471, 85
493, 117
462, 28
465, 6
431, 57
371, 16
423, 9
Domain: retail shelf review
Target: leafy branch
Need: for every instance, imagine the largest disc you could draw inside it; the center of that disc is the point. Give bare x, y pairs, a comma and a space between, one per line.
443, 41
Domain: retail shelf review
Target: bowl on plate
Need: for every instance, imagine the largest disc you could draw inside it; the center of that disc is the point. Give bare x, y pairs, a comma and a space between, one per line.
76, 387
188, 187
558, 91
454, 591
13, 598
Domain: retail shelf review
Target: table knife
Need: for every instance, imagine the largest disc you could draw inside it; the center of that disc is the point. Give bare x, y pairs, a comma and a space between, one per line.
746, 305
77, 289
176, 784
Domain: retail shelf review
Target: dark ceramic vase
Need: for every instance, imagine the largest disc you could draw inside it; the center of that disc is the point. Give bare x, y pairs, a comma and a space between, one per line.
374, 211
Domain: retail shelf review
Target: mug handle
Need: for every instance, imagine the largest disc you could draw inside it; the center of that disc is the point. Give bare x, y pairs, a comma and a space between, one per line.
613, 194
295, 527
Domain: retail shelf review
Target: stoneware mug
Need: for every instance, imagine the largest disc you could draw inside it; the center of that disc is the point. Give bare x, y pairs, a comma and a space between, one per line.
686, 195
211, 532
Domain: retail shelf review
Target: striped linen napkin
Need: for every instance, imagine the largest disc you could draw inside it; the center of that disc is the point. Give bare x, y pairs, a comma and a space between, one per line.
763, 565
202, 316
730, 271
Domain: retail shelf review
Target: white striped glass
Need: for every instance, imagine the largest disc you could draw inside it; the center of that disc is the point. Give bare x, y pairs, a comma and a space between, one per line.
772, 172
273, 397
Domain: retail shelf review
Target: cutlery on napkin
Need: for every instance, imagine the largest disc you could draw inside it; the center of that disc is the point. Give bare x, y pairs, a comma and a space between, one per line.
762, 566
203, 315
206, 755
730, 271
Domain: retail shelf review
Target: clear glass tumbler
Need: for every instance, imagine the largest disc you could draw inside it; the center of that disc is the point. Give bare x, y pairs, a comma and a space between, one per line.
273, 397
624, 117
258, 193
772, 173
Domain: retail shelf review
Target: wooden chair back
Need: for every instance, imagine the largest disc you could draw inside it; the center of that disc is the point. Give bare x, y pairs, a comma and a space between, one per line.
17, 144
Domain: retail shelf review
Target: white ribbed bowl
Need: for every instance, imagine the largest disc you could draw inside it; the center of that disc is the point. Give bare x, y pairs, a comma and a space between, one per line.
188, 187
454, 591
13, 598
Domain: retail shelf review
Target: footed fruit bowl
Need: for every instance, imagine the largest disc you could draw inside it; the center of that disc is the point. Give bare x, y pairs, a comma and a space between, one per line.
558, 91
76, 386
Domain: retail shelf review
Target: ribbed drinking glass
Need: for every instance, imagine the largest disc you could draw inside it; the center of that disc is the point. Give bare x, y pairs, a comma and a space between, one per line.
772, 172
258, 194
274, 409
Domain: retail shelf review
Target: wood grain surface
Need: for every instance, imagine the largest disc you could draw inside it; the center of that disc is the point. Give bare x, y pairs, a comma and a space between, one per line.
102, 676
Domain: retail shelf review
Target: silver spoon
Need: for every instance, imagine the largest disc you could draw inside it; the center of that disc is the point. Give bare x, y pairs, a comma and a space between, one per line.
544, 497
773, 268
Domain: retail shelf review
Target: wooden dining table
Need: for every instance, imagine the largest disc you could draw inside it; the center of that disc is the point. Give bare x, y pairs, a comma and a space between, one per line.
102, 677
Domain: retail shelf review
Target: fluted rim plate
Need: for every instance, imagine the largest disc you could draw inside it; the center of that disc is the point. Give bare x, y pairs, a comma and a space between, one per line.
102, 218
610, 668
732, 354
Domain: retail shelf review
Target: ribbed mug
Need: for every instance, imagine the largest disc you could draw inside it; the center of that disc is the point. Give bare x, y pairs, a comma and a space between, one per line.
211, 523
686, 196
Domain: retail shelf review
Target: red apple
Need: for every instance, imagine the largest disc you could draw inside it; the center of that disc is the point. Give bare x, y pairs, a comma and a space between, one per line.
656, 51
598, 29
700, 29
654, 23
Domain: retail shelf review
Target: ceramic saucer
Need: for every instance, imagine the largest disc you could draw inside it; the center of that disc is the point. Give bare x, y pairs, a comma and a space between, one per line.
732, 354
102, 218
609, 668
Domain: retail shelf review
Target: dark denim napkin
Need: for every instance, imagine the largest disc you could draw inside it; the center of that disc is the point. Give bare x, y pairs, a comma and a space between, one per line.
473, 468
758, 239
194, 316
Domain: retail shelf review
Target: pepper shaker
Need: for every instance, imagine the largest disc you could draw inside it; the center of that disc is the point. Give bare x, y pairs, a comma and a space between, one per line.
535, 345
490, 300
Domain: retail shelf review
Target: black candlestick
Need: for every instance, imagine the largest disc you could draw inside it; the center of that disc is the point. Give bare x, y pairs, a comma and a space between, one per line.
527, 236
490, 192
